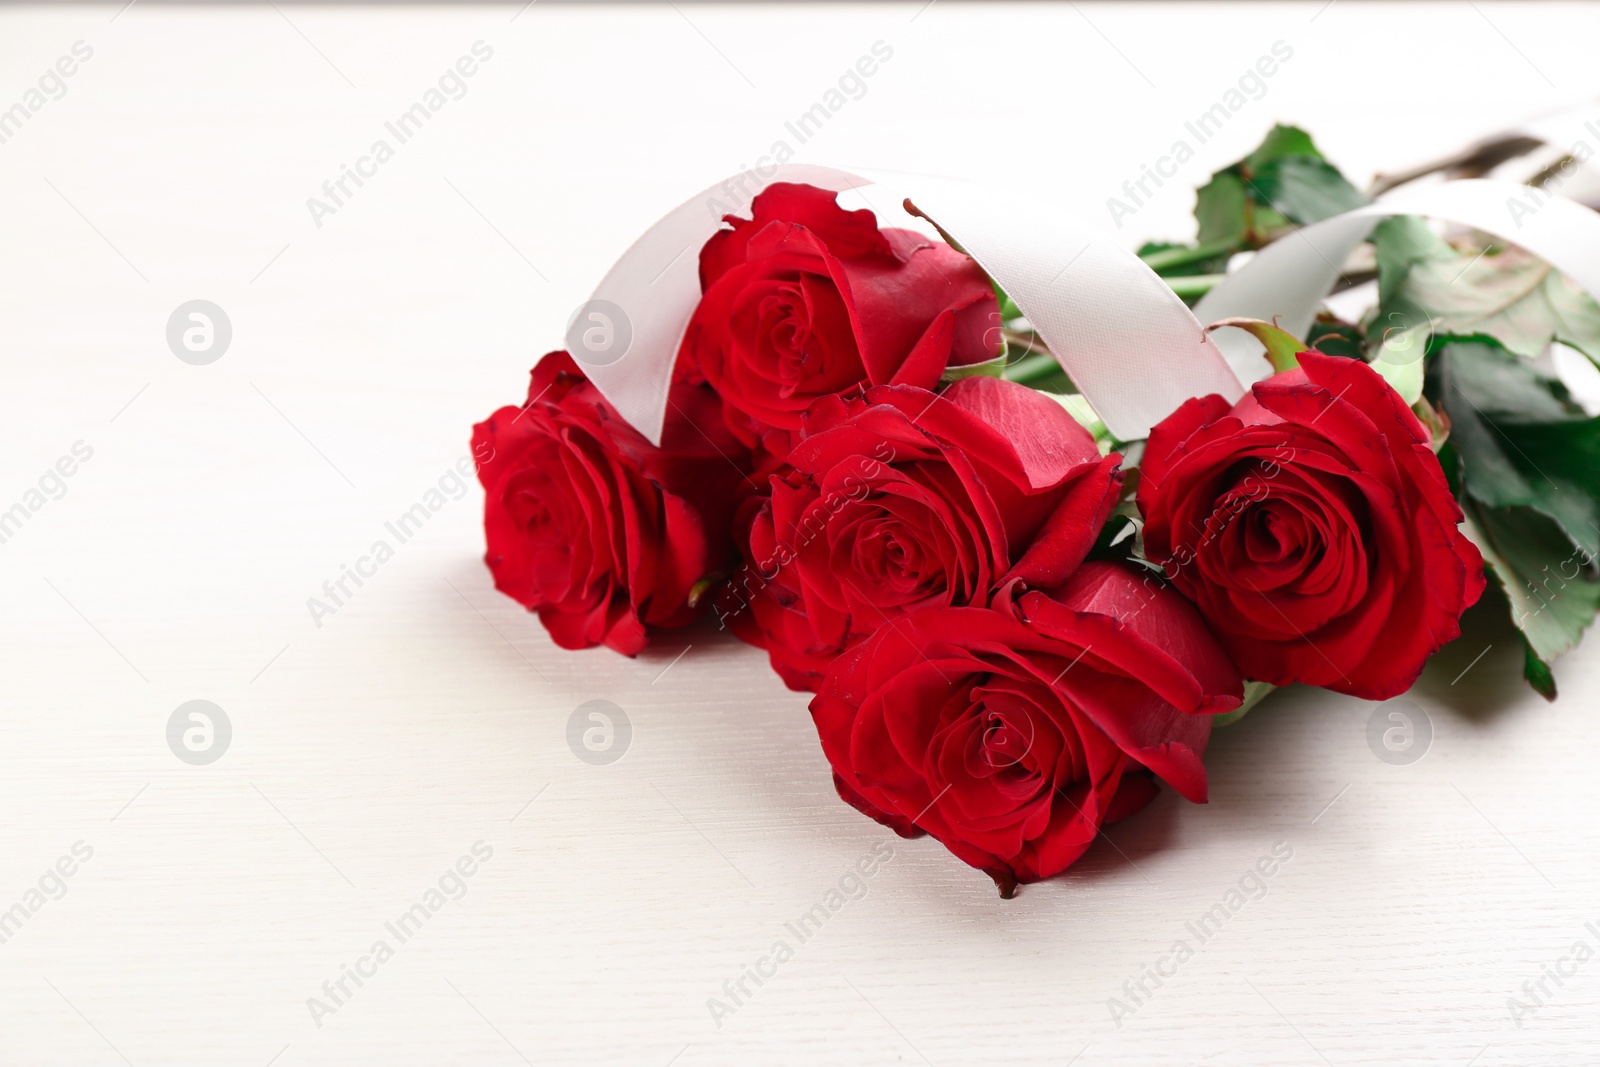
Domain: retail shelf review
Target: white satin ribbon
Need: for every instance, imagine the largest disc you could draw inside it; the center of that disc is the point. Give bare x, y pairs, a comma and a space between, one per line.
1124, 337
1287, 281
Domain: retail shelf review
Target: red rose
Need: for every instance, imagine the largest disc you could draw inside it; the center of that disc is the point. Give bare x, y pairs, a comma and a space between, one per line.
902, 499
1312, 525
805, 299
600, 532
1013, 733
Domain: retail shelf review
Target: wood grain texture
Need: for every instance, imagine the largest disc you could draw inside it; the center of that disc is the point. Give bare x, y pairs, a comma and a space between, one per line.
428, 714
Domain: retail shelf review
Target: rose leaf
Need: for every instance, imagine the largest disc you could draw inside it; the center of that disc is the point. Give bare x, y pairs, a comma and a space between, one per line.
1425, 284
1219, 208
1305, 189
1526, 463
1547, 582
1519, 438
1333, 336
1284, 182
1282, 348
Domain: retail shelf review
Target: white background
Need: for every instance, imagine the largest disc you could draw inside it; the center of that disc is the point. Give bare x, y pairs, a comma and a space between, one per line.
371, 752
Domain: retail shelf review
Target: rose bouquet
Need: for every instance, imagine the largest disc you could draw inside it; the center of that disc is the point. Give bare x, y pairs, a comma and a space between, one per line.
1019, 598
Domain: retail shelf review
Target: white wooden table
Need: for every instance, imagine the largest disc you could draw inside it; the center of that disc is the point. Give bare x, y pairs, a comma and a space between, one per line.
428, 716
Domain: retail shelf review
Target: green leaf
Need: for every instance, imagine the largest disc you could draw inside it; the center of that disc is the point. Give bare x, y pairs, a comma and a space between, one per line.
1283, 348
1520, 439
1425, 284
1281, 142
1538, 673
1305, 189
1402, 371
1398, 353
1335, 337
1219, 208
1285, 182
1400, 243
1550, 585
1527, 471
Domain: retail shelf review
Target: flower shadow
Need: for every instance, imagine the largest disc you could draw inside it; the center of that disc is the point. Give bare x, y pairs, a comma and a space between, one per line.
1479, 674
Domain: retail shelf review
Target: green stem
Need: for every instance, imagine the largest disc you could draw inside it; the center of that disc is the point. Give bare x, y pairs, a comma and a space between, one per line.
1026, 343
1182, 257
1032, 369
1193, 285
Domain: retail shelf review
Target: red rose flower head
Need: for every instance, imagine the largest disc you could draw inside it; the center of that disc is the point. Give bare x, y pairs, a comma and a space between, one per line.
1312, 525
900, 499
805, 299
603, 534
1013, 733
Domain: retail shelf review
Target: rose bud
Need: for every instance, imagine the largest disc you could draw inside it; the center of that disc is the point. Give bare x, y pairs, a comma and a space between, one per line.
1313, 527
901, 499
1012, 734
603, 534
805, 299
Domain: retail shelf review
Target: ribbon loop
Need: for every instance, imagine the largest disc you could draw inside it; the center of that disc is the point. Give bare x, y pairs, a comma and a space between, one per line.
1127, 341
1287, 281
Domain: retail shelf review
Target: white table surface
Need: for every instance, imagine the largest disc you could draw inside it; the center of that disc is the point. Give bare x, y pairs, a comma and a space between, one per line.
430, 713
